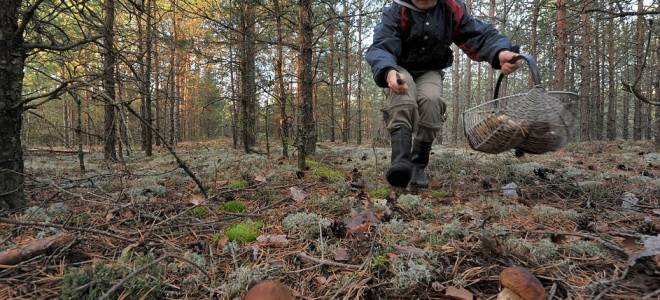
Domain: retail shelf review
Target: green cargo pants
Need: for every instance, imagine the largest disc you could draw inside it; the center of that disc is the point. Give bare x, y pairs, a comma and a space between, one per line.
421, 109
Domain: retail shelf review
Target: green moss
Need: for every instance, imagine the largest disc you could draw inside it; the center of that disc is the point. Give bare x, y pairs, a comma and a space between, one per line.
200, 211
439, 194
244, 232
216, 237
234, 206
321, 171
380, 192
238, 184
379, 262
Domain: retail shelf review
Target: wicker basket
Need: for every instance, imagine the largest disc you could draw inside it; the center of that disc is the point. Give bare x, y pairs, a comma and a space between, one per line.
535, 122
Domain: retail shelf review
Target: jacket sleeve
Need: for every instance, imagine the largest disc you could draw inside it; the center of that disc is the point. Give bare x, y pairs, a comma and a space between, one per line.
382, 54
479, 40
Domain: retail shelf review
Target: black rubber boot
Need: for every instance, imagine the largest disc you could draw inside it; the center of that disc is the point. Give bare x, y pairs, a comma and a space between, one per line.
401, 167
420, 159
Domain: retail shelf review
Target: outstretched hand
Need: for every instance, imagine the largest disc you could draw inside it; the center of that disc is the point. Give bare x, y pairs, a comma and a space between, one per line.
396, 83
509, 61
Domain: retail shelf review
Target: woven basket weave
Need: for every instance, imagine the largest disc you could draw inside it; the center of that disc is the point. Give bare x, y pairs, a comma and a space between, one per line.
535, 122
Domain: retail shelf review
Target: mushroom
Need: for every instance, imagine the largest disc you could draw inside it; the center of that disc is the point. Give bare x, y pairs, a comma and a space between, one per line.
269, 290
520, 284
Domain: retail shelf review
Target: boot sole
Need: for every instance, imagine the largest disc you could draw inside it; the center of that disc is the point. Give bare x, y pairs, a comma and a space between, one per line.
399, 175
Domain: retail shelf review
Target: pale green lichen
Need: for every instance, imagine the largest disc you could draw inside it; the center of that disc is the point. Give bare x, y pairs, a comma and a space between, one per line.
238, 281
305, 224
453, 230
410, 273
409, 202
582, 248
543, 250
550, 215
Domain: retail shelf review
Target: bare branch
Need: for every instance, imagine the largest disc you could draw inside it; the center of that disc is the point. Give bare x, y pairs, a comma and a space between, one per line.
623, 13
61, 47
27, 16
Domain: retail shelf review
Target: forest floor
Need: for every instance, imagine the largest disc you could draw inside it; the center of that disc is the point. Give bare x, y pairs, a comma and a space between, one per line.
585, 220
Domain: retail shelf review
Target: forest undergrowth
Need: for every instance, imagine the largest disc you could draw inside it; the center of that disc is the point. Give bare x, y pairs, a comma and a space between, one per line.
585, 220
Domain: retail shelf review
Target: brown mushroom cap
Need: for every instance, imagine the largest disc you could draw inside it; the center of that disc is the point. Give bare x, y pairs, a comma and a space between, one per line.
269, 290
522, 282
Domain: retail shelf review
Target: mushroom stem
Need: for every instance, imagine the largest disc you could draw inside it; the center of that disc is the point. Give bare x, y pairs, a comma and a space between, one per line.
507, 294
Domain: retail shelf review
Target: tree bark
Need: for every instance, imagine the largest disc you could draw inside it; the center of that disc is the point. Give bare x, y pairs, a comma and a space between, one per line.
491, 73
657, 95
280, 89
12, 61
146, 82
347, 93
305, 77
536, 10
560, 54
109, 59
639, 57
611, 65
359, 66
585, 77
456, 81
331, 78
247, 67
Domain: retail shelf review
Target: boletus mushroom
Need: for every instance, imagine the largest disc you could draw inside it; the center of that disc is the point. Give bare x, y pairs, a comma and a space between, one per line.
520, 284
269, 290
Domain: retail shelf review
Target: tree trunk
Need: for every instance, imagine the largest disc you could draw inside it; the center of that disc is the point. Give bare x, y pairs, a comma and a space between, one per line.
611, 64
491, 74
247, 67
656, 84
347, 93
359, 66
457, 92
279, 81
109, 81
331, 78
157, 91
79, 135
595, 111
12, 61
639, 57
560, 54
585, 64
536, 10
67, 122
304, 80
146, 83
305, 77
626, 110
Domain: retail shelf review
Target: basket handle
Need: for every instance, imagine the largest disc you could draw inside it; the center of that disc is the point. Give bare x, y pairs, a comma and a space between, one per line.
533, 69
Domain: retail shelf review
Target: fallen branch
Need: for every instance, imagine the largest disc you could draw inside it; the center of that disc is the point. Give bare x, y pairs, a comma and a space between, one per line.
40, 224
307, 258
19, 254
179, 161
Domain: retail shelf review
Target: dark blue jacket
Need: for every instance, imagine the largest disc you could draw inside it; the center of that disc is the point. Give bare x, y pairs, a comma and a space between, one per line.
423, 44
